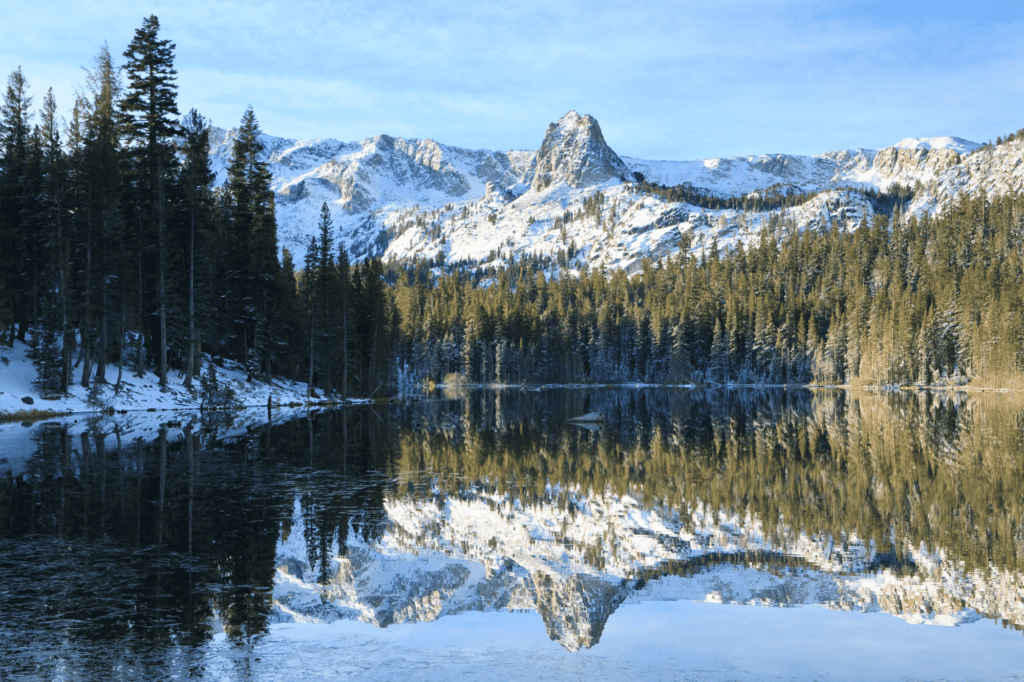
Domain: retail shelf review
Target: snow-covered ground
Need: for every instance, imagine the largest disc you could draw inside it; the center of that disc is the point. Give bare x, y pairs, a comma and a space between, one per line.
18, 374
140, 407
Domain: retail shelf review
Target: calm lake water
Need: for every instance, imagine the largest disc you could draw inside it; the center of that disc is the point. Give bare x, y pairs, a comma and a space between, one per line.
721, 535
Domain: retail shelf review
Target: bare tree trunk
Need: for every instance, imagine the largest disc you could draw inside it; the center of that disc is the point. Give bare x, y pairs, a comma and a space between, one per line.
161, 265
266, 350
69, 337
344, 343
87, 327
35, 305
190, 366
139, 359
121, 345
101, 354
312, 327
327, 337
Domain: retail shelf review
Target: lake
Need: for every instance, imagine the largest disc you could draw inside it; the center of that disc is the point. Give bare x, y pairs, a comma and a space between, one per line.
692, 534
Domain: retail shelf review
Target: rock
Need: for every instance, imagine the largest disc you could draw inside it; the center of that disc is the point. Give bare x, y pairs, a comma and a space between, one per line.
574, 152
589, 418
27, 400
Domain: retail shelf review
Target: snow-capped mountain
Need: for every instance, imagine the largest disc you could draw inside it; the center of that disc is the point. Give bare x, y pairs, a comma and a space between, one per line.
401, 198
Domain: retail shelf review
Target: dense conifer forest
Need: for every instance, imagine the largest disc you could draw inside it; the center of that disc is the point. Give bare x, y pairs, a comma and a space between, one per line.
117, 248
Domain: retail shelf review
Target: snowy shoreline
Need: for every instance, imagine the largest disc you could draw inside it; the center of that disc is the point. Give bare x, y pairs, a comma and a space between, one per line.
21, 399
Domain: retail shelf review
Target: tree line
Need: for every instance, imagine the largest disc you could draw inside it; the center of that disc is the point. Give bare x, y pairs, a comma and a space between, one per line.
118, 248
772, 198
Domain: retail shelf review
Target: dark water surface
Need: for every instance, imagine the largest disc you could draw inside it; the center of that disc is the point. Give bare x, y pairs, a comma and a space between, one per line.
296, 549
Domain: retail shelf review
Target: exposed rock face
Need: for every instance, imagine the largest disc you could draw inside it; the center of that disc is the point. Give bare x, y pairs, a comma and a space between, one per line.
574, 152
576, 609
995, 170
899, 163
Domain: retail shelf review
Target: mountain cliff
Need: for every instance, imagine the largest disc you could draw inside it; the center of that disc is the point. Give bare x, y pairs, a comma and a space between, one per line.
574, 152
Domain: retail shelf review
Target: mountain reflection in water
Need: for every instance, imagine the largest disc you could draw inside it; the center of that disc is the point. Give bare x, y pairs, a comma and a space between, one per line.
123, 557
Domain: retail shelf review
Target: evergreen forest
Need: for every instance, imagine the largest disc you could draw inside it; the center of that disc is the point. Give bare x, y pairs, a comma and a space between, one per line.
118, 248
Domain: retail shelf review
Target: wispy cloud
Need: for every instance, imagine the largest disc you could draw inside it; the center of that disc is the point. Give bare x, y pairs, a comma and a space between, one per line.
666, 79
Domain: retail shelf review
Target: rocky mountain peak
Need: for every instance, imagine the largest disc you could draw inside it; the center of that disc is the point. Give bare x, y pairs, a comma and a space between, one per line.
574, 152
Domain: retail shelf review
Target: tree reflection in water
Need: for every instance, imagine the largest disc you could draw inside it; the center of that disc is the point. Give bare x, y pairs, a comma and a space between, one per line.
124, 557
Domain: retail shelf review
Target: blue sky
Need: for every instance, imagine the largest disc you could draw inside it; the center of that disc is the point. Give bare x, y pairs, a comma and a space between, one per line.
666, 80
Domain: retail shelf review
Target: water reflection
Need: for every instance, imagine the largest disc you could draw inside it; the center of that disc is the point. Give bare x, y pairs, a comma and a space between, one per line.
150, 546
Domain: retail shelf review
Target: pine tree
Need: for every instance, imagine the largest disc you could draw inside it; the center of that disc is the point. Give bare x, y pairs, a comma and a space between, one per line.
196, 180
15, 129
326, 284
254, 234
718, 361
150, 114
53, 357
345, 291
309, 286
100, 226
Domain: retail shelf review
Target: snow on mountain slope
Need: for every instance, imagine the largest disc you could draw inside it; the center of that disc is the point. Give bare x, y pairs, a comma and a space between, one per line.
739, 175
401, 198
995, 170
359, 180
957, 144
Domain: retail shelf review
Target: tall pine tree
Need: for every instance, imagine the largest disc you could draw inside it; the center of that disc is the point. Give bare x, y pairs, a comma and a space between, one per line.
150, 115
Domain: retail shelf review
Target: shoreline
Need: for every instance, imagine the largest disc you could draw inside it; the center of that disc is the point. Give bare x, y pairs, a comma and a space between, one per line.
35, 414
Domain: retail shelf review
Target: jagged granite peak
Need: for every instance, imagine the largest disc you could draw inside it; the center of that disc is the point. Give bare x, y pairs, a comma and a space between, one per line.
574, 152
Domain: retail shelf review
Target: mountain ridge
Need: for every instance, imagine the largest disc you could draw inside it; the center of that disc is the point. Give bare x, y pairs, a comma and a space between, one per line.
400, 198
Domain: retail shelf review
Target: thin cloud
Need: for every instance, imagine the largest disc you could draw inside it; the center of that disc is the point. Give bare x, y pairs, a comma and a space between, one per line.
666, 80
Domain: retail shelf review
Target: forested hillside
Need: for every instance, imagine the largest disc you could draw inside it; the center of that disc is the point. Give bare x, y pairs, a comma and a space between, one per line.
119, 253
935, 300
